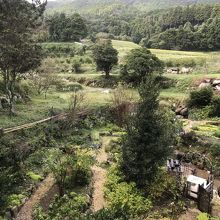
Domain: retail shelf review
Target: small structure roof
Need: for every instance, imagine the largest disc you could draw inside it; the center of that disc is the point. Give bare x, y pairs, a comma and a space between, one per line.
196, 180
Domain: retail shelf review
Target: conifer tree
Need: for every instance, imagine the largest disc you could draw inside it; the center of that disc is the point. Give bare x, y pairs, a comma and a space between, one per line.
149, 137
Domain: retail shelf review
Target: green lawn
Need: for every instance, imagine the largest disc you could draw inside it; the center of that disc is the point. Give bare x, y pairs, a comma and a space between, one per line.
210, 61
39, 107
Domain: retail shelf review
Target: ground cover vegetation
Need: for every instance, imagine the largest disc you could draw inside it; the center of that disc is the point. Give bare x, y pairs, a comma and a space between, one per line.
116, 111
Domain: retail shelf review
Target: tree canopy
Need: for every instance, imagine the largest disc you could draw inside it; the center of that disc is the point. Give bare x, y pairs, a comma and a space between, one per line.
140, 63
192, 27
67, 28
105, 56
18, 52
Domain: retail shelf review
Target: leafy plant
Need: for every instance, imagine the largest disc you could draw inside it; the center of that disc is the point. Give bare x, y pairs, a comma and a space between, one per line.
124, 198
15, 200
69, 206
217, 133
215, 112
34, 177
76, 64
201, 97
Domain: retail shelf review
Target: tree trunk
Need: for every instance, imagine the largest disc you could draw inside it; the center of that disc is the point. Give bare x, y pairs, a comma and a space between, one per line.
9, 81
107, 74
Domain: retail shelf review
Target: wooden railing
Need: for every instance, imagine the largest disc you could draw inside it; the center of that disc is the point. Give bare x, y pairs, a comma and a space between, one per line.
30, 125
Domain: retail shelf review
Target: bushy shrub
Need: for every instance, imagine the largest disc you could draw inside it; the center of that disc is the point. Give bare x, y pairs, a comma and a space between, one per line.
60, 49
70, 206
83, 171
76, 64
215, 150
201, 97
200, 113
164, 187
217, 134
165, 82
88, 60
205, 216
215, 112
15, 200
123, 197
34, 177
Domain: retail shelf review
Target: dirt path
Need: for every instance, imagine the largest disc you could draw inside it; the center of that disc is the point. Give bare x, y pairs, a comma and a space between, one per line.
191, 214
27, 210
99, 176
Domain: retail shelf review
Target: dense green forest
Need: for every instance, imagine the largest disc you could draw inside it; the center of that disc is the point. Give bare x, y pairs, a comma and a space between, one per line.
98, 6
194, 27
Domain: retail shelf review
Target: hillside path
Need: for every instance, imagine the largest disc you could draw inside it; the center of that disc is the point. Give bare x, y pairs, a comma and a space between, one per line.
26, 211
99, 177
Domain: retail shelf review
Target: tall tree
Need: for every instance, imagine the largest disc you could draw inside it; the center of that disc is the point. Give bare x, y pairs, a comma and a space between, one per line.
18, 52
105, 56
67, 28
149, 137
140, 63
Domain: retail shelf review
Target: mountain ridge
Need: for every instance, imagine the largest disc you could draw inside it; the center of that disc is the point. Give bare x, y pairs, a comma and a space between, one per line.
85, 6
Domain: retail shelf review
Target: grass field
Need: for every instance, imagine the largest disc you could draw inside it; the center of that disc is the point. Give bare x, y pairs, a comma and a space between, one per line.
210, 61
39, 107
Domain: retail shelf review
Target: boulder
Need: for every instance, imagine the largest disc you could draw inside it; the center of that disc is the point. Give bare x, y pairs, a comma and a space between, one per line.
217, 88
179, 117
207, 81
204, 84
179, 109
184, 112
185, 70
24, 200
169, 70
14, 211
18, 98
175, 70
216, 82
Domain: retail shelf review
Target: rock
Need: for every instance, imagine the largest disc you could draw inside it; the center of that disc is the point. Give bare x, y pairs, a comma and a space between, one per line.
185, 70
207, 80
179, 117
23, 201
169, 70
204, 84
217, 88
175, 70
216, 82
179, 109
184, 112
18, 98
14, 211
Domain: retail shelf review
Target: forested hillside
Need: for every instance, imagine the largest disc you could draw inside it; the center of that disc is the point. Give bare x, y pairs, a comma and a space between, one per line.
194, 27
146, 5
